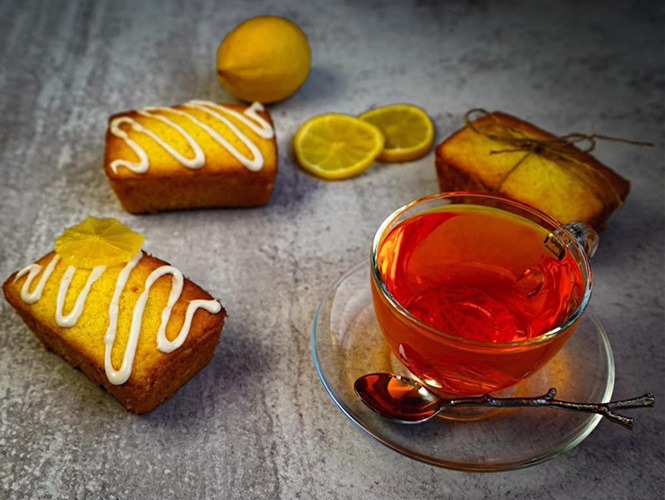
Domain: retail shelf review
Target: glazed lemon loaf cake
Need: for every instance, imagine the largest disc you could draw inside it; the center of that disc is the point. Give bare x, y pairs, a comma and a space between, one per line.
198, 154
138, 328
502, 154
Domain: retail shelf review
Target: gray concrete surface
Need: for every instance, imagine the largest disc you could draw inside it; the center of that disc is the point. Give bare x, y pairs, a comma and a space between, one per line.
257, 423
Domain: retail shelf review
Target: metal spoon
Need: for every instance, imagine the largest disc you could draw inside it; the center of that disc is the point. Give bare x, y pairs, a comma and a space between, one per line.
408, 402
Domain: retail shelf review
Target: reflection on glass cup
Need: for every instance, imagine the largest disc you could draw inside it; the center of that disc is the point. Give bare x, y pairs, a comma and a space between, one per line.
475, 292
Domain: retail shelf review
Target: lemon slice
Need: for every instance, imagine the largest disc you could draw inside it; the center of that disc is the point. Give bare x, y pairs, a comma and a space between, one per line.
98, 242
408, 130
336, 146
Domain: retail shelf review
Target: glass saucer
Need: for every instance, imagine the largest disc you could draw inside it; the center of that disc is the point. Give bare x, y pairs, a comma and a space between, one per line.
347, 343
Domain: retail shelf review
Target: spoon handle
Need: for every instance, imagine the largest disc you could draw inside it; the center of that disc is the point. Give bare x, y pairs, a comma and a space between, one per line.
547, 399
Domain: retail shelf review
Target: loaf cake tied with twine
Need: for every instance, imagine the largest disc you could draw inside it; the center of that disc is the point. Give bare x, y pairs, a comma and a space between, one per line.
499, 153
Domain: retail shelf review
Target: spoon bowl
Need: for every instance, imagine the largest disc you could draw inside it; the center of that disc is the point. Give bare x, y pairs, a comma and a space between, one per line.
406, 401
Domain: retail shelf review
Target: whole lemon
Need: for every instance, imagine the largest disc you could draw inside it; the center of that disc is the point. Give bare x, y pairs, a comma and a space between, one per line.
265, 59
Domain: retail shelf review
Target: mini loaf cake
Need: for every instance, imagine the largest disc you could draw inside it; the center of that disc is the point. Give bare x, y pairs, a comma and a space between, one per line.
502, 154
195, 155
139, 329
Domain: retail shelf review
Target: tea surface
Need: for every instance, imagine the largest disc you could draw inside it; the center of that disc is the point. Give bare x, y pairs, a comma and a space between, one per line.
480, 274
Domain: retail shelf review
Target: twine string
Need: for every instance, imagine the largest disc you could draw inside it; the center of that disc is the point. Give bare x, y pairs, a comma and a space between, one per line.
568, 151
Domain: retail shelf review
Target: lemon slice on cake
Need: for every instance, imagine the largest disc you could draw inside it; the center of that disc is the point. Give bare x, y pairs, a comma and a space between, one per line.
336, 146
408, 130
98, 242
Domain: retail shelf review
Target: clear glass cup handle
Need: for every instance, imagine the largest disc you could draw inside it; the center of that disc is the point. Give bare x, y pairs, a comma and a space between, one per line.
585, 235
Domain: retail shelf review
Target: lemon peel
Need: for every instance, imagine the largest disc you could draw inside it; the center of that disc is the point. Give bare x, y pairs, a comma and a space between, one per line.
98, 242
264, 59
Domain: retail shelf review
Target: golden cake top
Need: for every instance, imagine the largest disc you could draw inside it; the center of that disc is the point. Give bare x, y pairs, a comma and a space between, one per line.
190, 135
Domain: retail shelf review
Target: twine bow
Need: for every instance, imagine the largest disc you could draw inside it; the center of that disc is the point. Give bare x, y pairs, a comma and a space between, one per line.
568, 151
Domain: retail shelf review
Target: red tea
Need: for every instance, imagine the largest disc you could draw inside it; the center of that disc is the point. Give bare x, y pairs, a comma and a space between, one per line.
482, 275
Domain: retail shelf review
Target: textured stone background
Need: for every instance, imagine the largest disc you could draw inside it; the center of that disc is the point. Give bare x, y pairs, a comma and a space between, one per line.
257, 422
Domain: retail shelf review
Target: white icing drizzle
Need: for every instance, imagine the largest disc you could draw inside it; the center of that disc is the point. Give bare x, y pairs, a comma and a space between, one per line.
70, 319
33, 270
143, 164
120, 376
250, 117
115, 377
199, 157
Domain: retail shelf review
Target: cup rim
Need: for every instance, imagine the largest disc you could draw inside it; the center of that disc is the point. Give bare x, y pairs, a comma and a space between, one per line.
404, 313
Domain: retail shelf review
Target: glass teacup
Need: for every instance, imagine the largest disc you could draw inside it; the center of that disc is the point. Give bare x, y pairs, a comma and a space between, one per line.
475, 292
